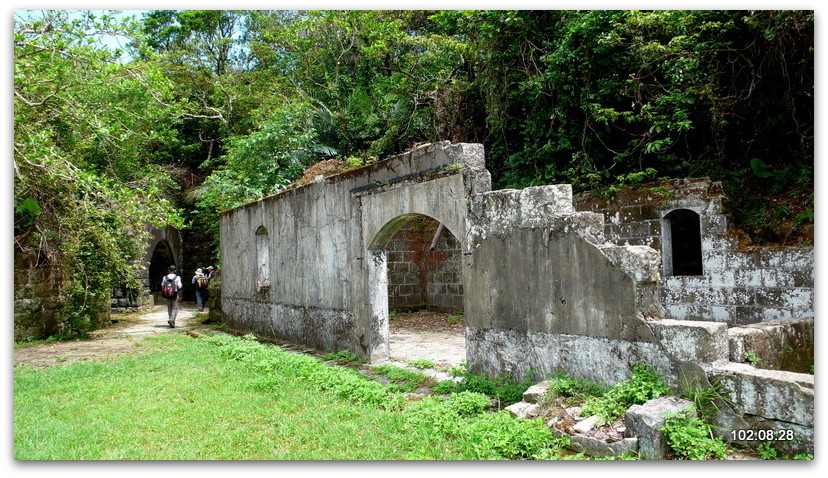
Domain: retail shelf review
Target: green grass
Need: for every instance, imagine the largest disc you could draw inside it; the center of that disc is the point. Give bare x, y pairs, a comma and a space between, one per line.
225, 398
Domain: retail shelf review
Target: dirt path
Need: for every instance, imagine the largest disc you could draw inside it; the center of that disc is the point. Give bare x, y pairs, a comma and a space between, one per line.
417, 335
427, 335
111, 341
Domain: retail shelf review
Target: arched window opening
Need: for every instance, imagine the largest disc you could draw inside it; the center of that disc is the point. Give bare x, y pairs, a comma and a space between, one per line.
684, 255
262, 258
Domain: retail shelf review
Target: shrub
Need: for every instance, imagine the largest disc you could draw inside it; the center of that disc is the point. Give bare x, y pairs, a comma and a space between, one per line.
504, 388
645, 384
566, 386
691, 438
402, 378
501, 436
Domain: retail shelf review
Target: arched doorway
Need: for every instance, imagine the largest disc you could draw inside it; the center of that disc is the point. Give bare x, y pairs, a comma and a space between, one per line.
416, 287
162, 258
682, 243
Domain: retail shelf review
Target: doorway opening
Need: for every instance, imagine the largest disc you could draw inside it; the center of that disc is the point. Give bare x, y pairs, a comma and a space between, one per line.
683, 251
418, 299
162, 258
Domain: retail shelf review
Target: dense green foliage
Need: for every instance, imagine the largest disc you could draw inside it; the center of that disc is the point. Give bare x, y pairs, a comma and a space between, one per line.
224, 107
87, 176
691, 438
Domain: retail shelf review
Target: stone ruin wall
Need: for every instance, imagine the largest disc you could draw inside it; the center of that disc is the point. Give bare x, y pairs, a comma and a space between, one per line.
544, 290
38, 298
764, 294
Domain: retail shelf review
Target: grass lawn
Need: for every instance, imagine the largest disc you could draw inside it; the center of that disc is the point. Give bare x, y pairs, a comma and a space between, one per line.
193, 399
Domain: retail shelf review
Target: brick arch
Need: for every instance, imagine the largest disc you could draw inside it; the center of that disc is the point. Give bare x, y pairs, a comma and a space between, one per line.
381, 278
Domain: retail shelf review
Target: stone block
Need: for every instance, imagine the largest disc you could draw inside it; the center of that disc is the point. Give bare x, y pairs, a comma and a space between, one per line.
714, 224
798, 299
600, 448
770, 297
546, 200
803, 278
523, 409
587, 424
641, 263
777, 346
646, 421
773, 394
748, 278
771, 314
742, 315
693, 340
536, 392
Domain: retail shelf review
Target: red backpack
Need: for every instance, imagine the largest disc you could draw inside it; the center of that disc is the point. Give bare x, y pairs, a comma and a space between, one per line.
168, 288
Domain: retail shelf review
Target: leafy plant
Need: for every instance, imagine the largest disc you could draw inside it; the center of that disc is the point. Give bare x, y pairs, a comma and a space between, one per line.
343, 356
645, 384
705, 398
502, 436
455, 319
421, 363
566, 386
403, 379
751, 357
767, 451
504, 388
691, 438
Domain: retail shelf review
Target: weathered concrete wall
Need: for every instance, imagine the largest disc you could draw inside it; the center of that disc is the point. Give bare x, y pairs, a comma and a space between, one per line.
326, 242
738, 285
545, 293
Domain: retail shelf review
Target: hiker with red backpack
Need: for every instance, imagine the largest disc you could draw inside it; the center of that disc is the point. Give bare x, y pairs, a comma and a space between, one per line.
170, 285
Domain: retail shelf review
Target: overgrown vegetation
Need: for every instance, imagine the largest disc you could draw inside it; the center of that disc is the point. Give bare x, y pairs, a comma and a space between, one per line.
231, 398
402, 379
645, 384
692, 438
503, 388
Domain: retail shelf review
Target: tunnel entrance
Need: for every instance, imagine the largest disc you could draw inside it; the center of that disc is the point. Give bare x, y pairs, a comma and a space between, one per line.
162, 258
